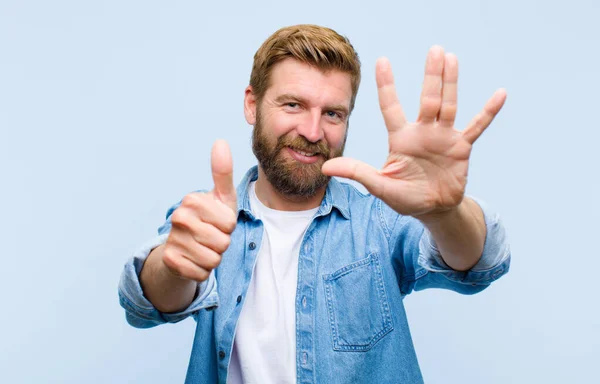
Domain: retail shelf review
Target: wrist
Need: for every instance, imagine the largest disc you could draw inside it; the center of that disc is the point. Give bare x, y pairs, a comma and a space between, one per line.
440, 217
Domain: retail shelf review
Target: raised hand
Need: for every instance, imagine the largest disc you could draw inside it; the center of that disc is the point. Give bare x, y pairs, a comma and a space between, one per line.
426, 169
203, 223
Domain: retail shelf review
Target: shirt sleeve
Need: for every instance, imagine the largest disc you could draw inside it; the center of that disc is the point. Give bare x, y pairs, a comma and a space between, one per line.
494, 261
422, 265
139, 311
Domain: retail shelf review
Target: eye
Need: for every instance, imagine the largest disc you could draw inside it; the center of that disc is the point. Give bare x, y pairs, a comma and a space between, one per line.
292, 105
334, 115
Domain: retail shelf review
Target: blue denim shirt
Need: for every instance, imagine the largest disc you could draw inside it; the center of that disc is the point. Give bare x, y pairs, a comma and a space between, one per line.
357, 262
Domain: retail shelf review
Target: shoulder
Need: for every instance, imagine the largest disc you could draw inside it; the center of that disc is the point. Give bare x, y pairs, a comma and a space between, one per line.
359, 203
354, 193
362, 204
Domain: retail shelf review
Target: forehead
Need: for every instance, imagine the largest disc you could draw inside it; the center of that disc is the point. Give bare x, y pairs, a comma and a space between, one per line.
311, 83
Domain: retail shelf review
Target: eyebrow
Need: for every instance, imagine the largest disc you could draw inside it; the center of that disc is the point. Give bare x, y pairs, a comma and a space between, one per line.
290, 97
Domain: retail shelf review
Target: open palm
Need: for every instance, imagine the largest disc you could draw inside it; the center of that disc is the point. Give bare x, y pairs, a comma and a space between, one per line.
427, 165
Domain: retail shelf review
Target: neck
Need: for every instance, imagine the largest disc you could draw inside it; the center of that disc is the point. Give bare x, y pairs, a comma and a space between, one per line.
271, 198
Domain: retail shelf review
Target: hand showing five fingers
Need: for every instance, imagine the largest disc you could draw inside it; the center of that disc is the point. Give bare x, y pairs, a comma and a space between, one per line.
426, 169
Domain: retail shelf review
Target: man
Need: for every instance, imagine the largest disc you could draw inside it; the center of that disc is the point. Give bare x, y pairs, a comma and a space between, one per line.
296, 277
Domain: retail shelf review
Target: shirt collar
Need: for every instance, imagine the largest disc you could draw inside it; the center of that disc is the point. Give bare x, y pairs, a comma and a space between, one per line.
334, 196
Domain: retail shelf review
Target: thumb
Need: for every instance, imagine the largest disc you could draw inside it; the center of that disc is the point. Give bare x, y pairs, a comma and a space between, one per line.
222, 173
357, 171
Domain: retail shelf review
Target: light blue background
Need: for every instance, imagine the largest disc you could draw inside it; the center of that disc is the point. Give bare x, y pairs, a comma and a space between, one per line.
108, 110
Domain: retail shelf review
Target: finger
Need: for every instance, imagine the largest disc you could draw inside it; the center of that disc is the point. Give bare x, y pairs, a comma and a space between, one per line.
222, 172
355, 170
393, 115
209, 236
200, 255
206, 234
449, 91
431, 95
485, 117
210, 211
183, 267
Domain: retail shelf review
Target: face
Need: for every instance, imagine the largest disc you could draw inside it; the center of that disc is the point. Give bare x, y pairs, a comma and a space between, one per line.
300, 123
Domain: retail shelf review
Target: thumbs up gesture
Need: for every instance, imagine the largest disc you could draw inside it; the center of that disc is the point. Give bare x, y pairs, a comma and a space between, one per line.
203, 223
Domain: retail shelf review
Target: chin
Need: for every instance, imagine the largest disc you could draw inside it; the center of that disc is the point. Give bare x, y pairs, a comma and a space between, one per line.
303, 186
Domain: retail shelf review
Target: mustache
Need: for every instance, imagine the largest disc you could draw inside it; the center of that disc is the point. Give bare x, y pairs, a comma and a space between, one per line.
302, 144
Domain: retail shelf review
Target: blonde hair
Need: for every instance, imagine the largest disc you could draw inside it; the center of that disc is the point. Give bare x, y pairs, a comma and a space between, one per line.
311, 44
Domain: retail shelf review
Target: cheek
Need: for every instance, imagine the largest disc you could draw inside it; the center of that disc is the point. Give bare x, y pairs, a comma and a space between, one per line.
335, 137
280, 124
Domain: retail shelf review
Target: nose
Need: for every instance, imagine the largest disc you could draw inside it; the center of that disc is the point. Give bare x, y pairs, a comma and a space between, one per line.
311, 128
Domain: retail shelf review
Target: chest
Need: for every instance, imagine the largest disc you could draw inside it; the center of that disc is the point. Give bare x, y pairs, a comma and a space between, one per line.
334, 269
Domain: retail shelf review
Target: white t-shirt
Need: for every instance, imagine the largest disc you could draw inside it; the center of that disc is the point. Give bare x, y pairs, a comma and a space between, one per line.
264, 348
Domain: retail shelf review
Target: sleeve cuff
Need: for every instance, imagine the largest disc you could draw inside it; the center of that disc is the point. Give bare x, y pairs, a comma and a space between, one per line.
494, 261
139, 310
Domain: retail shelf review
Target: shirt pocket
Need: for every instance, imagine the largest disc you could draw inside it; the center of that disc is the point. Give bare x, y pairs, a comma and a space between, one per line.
357, 304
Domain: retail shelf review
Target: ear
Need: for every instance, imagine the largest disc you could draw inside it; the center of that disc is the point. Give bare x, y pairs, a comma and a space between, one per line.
250, 105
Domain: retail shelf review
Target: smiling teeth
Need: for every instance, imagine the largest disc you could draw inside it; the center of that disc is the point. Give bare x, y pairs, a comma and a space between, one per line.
307, 154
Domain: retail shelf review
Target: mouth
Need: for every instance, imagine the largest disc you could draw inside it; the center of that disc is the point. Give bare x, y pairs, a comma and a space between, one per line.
303, 156
307, 154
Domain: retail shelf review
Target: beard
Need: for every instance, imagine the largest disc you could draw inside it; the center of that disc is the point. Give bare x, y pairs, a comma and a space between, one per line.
288, 176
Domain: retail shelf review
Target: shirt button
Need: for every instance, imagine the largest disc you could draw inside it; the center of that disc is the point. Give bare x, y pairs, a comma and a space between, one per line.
221, 354
252, 245
304, 357
239, 298
304, 302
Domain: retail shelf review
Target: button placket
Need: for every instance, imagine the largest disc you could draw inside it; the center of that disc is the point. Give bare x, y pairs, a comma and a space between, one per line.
305, 315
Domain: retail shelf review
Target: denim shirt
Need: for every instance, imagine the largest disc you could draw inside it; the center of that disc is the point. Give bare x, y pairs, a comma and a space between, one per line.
357, 262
